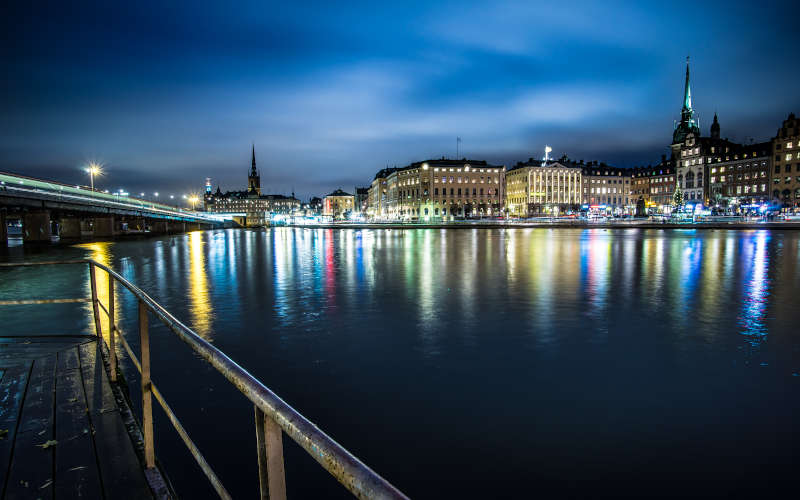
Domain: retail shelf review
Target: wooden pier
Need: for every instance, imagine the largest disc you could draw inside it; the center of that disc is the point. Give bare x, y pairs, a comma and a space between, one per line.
63, 431
66, 428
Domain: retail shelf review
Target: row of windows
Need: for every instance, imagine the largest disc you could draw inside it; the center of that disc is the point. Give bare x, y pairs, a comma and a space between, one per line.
467, 169
738, 177
787, 168
612, 181
738, 167
609, 199
466, 180
786, 180
747, 189
602, 190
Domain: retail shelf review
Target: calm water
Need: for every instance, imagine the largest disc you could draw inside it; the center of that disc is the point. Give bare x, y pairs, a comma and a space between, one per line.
472, 362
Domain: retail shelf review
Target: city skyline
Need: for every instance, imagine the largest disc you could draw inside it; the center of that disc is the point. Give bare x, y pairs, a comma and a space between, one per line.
330, 97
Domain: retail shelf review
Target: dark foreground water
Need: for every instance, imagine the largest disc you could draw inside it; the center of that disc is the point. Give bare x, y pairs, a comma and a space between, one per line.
467, 363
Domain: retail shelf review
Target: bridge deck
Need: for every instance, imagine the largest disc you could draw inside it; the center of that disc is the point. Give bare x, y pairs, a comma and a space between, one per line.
62, 431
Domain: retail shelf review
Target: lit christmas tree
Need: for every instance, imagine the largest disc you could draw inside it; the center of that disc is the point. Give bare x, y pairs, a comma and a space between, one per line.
677, 198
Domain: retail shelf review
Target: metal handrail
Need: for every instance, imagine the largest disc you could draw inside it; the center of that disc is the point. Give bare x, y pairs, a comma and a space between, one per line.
272, 415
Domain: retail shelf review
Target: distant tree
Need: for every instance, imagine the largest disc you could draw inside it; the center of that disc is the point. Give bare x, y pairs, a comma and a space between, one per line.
677, 198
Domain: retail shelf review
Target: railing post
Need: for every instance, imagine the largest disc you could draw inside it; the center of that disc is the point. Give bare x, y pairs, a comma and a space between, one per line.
147, 396
95, 308
269, 444
112, 327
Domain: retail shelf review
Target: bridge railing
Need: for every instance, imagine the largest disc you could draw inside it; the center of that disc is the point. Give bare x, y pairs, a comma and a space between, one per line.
23, 184
273, 416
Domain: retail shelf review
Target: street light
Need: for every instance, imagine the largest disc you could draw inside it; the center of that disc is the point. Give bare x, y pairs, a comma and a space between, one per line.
93, 169
193, 200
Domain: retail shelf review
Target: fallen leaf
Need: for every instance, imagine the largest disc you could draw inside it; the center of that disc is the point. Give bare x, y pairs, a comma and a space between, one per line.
48, 444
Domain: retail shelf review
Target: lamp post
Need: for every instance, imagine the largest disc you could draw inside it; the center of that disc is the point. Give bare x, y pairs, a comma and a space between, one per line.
193, 200
93, 169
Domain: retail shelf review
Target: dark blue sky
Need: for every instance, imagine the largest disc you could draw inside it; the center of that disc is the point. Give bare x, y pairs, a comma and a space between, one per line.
166, 95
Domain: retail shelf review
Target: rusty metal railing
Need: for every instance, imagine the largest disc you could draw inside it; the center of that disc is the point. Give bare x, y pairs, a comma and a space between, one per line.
273, 416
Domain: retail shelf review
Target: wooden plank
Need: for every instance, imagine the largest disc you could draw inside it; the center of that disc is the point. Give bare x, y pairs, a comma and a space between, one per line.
76, 464
120, 469
99, 396
122, 473
12, 394
68, 360
22, 350
31, 471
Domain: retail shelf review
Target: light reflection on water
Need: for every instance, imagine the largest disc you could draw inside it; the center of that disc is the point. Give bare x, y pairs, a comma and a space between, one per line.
754, 306
620, 346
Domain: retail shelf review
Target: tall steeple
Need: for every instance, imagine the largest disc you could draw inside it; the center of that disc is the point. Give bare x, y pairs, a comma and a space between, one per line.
254, 180
687, 90
688, 123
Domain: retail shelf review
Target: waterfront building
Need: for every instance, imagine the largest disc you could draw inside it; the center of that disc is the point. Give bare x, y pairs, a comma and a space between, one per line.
257, 208
312, 208
786, 172
607, 189
438, 190
640, 186
361, 197
338, 205
377, 198
741, 177
692, 153
549, 187
662, 186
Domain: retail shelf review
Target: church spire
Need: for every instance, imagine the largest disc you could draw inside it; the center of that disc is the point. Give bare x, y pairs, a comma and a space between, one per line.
688, 123
687, 90
254, 180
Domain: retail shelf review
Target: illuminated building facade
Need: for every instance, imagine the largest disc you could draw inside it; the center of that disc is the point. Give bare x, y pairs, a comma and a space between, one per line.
543, 188
258, 208
786, 172
640, 186
338, 204
377, 196
440, 189
741, 177
692, 153
361, 199
662, 185
608, 189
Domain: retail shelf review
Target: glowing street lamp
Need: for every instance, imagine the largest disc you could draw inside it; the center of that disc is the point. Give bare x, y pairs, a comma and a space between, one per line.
93, 169
193, 199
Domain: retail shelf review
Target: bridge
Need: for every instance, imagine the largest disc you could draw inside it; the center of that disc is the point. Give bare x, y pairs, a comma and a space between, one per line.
46, 209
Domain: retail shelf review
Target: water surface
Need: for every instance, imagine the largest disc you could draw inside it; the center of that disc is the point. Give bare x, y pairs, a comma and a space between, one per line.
464, 362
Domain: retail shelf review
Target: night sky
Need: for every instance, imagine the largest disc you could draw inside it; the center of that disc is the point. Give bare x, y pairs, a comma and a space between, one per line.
168, 94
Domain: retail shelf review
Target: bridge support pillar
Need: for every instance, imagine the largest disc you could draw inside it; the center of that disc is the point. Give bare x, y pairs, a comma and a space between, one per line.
158, 226
176, 227
69, 228
103, 227
36, 227
3, 230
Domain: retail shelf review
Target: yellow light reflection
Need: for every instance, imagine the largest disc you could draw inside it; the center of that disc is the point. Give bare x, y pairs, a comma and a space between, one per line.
100, 251
199, 302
